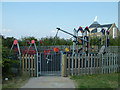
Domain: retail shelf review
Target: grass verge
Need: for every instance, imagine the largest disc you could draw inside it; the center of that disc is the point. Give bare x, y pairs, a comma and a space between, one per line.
15, 82
96, 81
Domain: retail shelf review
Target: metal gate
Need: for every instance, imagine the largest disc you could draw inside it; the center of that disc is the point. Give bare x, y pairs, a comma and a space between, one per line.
49, 64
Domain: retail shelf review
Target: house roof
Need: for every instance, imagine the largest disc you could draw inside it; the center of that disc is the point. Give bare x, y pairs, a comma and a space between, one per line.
94, 24
100, 26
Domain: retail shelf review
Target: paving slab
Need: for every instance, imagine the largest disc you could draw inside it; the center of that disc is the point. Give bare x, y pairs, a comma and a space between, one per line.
49, 82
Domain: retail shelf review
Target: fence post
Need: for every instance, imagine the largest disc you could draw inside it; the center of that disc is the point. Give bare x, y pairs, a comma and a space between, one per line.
63, 65
75, 64
68, 64
26, 64
85, 64
82, 64
79, 64
32, 65
88, 62
91, 63
37, 64
97, 64
23, 64
94, 63
72, 65
102, 64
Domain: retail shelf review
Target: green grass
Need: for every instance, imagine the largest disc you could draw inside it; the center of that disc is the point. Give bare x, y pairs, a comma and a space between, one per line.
96, 81
15, 82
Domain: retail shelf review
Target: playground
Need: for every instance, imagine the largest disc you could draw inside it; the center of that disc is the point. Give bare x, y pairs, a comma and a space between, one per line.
79, 59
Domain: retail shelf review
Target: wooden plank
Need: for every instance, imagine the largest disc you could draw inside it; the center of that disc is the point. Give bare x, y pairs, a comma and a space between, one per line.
75, 64
72, 64
88, 63
94, 63
97, 65
102, 64
99, 56
91, 63
69, 64
63, 65
79, 64
23, 64
82, 64
109, 55
32, 65
85, 65
26, 64
114, 62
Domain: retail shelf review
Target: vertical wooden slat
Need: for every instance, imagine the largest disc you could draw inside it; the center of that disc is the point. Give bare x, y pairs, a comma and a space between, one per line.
23, 64
109, 55
114, 62
94, 63
85, 64
72, 65
99, 56
102, 64
75, 64
32, 65
82, 64
63, 65
88, 62
26, 64
69, 64
91, 64
97, 64
79, 64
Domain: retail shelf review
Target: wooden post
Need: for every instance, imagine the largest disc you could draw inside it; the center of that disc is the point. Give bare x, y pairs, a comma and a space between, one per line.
91, 63
72, 65
75, 64
88, 62
69, 64
32, 65
114, 62
79, 64
97, 64
82, 64
85, 64
63, 65
23, 64
109, 55
26, 64
94, 63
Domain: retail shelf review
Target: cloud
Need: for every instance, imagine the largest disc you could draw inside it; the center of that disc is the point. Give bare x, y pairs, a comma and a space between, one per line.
53, 31
6, 30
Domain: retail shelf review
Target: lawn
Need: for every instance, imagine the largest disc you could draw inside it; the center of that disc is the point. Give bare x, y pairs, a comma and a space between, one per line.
15, 82
96, 81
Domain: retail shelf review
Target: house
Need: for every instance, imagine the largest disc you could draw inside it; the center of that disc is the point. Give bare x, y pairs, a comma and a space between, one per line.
95, 29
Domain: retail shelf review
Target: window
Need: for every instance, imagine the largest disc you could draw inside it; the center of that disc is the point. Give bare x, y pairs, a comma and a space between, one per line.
114, 32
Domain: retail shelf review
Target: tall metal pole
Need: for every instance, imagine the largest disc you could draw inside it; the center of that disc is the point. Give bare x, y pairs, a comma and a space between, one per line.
74, 44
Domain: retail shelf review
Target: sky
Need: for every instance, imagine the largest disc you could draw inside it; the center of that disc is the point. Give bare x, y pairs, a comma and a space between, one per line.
40, 19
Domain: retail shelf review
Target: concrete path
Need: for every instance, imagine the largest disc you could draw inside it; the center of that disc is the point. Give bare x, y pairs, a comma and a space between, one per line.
49, 82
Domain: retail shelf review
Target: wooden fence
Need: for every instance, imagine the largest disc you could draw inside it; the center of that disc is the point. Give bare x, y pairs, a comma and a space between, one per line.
90, 63
29, 65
